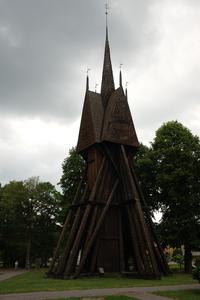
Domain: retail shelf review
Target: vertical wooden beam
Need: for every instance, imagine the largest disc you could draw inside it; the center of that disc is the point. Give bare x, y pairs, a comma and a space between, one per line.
75, 226
121, 242
140, 240
137, 254
101, 219
94, 256
137, 239
74, 250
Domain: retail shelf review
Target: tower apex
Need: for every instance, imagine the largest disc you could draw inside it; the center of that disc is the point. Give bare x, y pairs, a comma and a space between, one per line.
107, 84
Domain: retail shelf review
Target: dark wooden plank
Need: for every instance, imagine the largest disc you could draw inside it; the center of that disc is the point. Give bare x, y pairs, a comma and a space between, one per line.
121, 243
163, 263
141, 217
72, 234
90, 243
67, 221
74, 250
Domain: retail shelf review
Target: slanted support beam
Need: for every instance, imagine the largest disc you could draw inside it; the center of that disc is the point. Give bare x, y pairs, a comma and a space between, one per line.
74, 251
94, 235
66, 223
141, 216
72, 234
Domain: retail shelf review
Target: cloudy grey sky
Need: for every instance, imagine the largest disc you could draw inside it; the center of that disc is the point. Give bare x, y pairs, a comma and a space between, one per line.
45, 48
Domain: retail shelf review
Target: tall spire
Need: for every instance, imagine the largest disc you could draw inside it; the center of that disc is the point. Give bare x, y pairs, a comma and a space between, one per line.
120, 75
87, 83
107, 84
87, 79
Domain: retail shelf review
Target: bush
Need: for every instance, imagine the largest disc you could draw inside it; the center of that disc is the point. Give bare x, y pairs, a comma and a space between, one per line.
196, 271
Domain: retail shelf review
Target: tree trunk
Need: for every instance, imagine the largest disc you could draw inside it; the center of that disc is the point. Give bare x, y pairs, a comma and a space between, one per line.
28, 253
188, 259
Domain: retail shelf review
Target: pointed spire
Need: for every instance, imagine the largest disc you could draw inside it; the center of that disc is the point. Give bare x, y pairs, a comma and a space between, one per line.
107, 84
120, 78
87, 79
87, 83
120, 75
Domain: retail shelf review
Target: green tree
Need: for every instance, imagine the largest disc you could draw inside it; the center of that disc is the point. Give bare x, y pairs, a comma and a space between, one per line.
196, 271
144, 167
47, 208
73, 171
12, 223
176, 159
178, 257
28, 215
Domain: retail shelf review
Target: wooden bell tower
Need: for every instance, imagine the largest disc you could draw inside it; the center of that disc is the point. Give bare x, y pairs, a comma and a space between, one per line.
108, 228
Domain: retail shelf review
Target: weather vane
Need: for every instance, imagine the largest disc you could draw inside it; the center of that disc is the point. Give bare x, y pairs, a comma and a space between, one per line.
107, 8
88, 70
120, 66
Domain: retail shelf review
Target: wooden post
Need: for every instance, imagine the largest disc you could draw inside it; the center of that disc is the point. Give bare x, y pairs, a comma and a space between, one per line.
96, 229
162, 262
61, 264
64, 228
141, 217
74, 251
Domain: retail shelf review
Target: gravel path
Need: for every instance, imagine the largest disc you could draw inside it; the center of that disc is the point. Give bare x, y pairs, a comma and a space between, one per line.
142, 293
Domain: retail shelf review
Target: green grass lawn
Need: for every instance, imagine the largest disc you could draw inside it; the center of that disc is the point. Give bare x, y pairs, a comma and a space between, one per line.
35, 281
181, 295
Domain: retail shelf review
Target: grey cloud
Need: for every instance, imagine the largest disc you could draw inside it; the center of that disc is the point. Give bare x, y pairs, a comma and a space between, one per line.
45, 48
46, 43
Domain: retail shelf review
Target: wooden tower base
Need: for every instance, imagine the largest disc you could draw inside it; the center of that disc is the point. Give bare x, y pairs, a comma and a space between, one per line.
108, 229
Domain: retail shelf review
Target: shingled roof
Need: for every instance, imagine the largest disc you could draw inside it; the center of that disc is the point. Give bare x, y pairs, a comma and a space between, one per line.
118, 125
106, 116
91, 121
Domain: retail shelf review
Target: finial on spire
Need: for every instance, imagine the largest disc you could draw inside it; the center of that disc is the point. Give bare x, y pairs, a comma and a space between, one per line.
120, 75
107, 83
107, 8
87, 79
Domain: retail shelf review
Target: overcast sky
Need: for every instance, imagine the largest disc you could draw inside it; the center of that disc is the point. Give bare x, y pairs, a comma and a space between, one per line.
45, 49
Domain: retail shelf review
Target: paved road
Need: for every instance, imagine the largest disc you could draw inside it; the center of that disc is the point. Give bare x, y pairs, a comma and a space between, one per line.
10, 273
142, 293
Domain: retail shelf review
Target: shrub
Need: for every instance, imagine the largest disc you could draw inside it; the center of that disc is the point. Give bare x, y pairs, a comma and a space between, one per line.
196, 271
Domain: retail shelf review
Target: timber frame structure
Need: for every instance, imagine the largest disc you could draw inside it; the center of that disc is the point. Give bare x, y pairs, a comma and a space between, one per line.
108, 228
